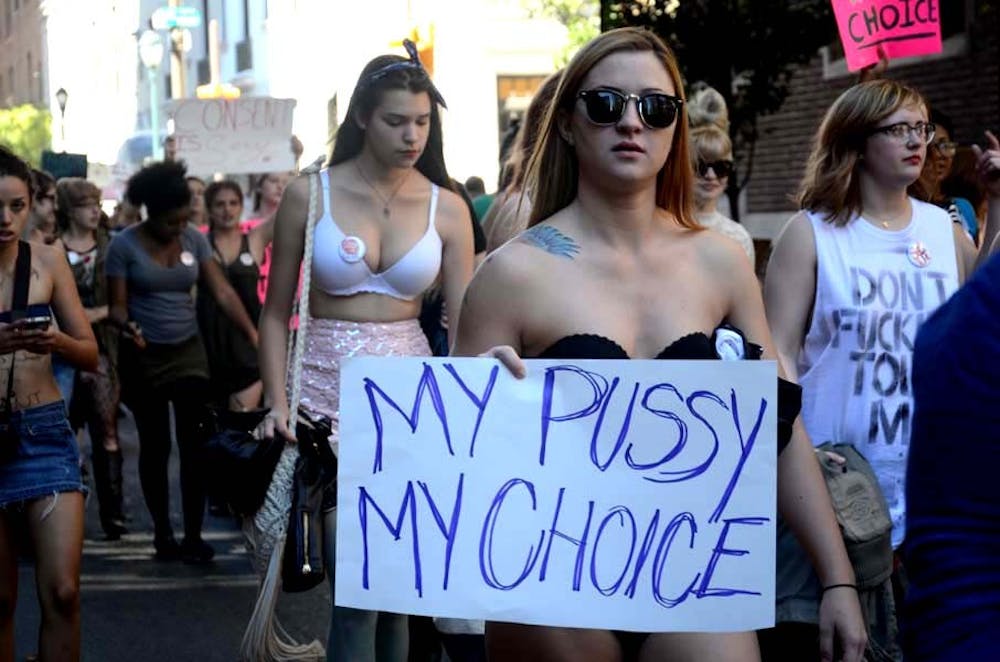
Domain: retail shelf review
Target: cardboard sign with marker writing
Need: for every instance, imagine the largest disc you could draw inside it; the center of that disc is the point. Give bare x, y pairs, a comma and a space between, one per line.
234, 136
897, 28
626, 495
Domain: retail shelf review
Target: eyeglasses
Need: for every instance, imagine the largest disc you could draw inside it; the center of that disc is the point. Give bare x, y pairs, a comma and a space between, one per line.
656, 110
902, 130
720, 168
945, 147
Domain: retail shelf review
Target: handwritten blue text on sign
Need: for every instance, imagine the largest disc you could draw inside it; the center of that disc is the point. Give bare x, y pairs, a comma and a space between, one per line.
633, 495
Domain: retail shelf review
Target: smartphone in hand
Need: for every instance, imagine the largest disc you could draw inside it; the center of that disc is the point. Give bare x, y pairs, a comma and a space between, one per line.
39, 323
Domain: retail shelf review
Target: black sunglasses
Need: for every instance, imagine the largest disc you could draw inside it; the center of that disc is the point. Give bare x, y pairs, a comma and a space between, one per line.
720, 168
656, 110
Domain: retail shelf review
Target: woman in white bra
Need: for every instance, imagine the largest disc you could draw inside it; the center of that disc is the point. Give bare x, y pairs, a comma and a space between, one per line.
388, 227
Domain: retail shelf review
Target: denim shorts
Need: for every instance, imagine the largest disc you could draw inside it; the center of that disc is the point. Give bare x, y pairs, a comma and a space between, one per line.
45, 459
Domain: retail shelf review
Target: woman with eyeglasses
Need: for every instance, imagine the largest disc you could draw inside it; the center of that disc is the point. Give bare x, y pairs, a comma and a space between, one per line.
612, 215
930, 186
97, 393
850, 280
389, 228
712, 153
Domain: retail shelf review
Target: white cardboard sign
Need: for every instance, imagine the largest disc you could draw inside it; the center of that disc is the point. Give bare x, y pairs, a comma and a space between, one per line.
234, 136
629, 495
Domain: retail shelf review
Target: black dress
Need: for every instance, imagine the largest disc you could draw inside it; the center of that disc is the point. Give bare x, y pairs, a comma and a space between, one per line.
232, 360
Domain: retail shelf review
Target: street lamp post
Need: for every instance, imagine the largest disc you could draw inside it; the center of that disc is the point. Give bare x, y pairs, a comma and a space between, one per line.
61, 96
151, 54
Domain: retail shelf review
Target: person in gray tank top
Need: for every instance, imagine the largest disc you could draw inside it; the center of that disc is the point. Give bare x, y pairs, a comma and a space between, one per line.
151, 269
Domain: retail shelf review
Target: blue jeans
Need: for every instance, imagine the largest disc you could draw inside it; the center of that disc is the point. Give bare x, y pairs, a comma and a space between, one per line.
40, 456
359, 635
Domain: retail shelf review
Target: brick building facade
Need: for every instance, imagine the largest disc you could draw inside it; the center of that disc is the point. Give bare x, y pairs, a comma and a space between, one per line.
22, 53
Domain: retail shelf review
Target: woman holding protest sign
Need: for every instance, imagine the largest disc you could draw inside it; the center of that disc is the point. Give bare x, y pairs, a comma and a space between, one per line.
389, 227
612, 214
850, 280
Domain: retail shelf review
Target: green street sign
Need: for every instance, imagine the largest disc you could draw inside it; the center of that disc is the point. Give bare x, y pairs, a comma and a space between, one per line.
165, 18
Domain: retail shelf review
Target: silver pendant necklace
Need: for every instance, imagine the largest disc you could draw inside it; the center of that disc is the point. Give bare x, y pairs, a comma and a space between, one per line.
386, 201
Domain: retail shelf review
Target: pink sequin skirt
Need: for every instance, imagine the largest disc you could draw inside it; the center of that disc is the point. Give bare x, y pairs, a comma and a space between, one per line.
329, 340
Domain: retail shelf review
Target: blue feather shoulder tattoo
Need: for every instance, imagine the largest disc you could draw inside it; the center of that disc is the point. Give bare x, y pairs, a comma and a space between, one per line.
551, 240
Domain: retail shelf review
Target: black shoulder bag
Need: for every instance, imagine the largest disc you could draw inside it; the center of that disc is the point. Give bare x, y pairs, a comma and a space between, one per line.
314, 492
241, 466
18, 309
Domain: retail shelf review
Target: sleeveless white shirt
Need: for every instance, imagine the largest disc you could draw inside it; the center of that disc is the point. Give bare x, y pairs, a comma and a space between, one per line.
874, 288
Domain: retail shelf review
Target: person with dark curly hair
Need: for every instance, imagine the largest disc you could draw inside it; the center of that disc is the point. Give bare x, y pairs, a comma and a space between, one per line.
151, 269
41, 489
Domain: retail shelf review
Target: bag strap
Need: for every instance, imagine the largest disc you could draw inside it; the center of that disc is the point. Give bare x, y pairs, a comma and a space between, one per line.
296, 344
22, 280
18, 308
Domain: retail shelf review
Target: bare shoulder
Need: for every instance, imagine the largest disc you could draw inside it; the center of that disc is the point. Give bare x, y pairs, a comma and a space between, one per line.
450, 202
451, 209
295, 203
552, 237
793, 256
719, 253
510, 268
49, 255
297, 190
797, 233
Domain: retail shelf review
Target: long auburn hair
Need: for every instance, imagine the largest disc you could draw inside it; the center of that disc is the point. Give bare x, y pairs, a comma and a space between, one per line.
365, 99
830, 183
553, 169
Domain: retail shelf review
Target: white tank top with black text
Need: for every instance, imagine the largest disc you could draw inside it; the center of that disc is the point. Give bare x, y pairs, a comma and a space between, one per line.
874, 288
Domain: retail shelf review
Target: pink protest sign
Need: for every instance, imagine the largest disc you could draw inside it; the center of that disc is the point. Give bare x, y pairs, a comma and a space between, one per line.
899, 28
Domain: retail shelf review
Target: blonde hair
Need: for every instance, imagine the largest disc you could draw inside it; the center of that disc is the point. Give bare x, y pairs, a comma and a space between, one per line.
553, 167
709, 119
830, 183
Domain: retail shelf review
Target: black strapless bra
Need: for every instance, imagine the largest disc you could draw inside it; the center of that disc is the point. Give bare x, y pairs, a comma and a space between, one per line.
695, 345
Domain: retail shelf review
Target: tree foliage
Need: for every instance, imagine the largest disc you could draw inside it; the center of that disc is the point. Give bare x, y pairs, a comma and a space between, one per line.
745, 49
27, 130
582, 19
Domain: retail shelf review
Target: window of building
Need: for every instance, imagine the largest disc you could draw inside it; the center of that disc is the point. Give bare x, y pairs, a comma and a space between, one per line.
8, 17
29, 89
